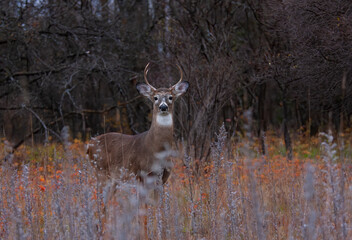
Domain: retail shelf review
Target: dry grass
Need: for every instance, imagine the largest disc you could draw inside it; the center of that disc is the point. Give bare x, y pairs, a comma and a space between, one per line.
237, 194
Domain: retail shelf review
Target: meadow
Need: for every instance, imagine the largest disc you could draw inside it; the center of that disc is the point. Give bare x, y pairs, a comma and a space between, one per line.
50, 192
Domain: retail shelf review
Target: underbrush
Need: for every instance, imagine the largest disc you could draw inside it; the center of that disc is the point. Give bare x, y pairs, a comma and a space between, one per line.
51, 192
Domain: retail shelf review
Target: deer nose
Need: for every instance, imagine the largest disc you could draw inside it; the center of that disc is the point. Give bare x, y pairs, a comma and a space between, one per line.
163, 107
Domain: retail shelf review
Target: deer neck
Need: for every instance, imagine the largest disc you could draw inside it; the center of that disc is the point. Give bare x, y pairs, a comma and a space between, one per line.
161, 130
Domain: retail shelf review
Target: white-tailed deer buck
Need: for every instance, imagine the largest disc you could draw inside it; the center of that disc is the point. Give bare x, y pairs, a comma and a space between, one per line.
142, 154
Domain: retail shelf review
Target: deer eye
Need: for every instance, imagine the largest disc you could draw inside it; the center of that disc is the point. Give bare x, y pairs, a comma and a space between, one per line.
156, 98
170, 98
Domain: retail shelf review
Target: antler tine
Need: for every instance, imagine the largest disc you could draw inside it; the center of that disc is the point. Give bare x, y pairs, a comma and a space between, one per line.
181, 73
145, 76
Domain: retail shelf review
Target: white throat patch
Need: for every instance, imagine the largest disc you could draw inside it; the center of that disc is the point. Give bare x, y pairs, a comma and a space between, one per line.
164, 120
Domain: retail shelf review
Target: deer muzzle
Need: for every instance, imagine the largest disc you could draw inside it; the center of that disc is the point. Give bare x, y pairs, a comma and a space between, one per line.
163, 107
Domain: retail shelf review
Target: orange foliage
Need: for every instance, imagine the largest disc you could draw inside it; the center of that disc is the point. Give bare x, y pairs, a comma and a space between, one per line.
42, 188
48, 166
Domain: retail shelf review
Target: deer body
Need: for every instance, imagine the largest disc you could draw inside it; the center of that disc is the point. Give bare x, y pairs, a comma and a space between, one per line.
136, 153
144, 154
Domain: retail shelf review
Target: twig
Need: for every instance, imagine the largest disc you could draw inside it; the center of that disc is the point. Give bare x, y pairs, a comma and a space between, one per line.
42, 123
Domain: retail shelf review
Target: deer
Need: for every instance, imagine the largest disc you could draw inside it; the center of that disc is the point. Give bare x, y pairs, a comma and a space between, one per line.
144, 154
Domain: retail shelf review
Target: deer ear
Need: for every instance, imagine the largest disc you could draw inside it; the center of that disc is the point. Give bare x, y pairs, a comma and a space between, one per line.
144, 89
180, 88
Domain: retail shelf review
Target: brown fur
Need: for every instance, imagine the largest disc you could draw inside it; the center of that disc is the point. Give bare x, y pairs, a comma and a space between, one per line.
112, 151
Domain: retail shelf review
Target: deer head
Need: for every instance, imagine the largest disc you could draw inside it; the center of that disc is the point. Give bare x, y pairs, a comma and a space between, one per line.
162, 98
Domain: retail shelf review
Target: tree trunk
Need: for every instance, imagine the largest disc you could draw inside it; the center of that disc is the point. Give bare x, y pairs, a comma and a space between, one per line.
261, 117
309, 115
287, 137
343, 93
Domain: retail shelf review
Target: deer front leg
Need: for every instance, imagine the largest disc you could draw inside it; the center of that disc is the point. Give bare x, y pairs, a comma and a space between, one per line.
166, 175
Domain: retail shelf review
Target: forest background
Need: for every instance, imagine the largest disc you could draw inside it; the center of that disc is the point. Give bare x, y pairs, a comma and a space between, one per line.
76, 64
264, 132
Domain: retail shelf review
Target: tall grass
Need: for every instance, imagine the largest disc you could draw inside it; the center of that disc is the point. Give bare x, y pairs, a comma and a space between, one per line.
237, 194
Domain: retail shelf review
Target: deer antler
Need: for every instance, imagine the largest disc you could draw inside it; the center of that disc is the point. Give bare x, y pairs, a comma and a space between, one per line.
181, 73
146, 69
